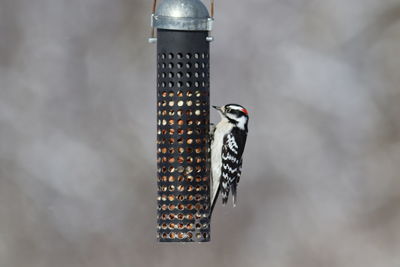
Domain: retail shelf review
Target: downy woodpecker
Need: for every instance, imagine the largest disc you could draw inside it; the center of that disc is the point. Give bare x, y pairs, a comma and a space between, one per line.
228, 140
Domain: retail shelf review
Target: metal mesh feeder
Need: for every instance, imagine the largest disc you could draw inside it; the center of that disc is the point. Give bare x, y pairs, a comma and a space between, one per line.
183, 104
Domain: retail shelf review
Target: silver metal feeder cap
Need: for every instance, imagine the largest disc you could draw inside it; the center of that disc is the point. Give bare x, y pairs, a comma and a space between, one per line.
185, 15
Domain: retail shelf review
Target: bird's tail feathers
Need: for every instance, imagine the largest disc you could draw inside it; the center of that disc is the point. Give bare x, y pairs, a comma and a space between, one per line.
225, 195
234, 194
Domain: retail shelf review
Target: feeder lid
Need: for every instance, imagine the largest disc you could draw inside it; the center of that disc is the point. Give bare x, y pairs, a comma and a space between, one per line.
186, 15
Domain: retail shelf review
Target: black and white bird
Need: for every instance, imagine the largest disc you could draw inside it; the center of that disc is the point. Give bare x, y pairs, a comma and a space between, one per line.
228, 140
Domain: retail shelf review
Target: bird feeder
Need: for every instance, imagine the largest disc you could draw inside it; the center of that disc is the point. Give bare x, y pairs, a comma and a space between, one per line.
183, 108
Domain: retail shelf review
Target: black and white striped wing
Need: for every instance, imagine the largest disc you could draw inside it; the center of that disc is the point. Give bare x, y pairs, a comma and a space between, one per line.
234, 185
231, 164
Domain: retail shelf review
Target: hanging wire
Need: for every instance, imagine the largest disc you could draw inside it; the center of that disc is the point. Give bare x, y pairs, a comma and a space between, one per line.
153, 11
212, 8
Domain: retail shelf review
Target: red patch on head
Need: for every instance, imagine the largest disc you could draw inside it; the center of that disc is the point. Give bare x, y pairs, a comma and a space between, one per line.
244, 111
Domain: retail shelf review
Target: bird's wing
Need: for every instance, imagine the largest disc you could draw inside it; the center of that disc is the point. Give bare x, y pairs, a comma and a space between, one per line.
231, 154
234, 184
239, 173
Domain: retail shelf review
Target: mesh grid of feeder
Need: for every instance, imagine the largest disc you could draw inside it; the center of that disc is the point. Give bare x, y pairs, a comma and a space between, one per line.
183, 105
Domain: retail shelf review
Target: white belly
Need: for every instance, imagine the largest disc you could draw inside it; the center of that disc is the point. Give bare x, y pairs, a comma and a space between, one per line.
222, 128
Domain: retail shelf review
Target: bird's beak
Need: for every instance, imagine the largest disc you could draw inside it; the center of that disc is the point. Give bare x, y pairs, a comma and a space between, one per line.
221, 110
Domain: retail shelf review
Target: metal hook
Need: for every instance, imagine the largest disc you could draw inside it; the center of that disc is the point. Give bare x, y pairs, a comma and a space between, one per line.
212, 6
152, 39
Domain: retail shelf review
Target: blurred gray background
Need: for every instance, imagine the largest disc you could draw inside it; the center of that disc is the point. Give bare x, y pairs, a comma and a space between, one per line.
321, 177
